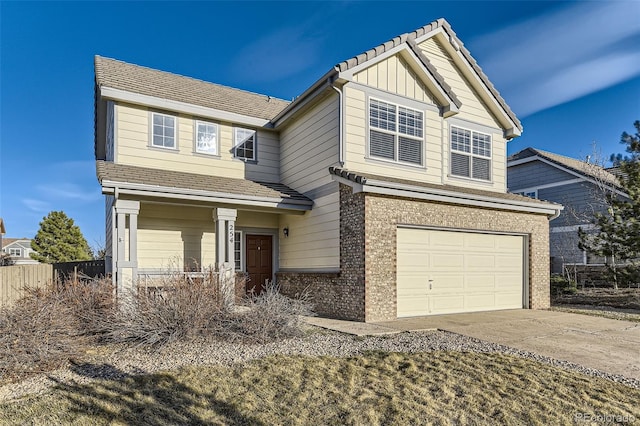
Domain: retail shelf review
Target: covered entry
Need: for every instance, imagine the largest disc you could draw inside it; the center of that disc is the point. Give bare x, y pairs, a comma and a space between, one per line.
441, 272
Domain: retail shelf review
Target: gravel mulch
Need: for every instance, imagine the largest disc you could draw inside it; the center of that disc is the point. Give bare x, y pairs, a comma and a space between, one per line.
117, 362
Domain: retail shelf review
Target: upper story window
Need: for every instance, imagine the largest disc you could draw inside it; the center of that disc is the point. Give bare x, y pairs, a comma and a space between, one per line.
164, 130
206, 137
245, 144
15, 252
470, 154
395, 132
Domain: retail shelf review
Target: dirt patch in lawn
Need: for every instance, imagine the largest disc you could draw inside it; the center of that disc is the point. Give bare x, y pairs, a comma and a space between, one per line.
377, 388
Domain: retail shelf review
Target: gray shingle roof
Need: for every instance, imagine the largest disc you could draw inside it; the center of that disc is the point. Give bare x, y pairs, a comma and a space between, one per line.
122, 173
410, 37
362, 178
586, 169
146, 81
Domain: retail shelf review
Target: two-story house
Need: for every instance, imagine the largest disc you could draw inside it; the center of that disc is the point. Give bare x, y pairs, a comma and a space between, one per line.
580, 186
19, 249
381, 189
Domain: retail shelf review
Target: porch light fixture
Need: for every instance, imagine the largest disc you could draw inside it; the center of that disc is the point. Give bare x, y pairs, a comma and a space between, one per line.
285, 231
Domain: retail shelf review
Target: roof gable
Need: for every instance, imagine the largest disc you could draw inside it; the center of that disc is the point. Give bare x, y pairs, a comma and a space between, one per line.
441, 30
587, 171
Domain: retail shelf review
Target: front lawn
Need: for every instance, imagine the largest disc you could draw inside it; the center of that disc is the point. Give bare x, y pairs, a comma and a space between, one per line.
378, 388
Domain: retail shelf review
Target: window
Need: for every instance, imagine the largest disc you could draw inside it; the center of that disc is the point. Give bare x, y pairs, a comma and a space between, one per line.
245, 144
470, 154
15, 252
206, 138
164, 130
395, 132
237, 250
530, 193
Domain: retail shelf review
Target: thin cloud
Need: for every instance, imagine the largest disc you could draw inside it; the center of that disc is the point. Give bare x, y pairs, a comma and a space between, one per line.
278, 55
547, 60
36, 206
69, 191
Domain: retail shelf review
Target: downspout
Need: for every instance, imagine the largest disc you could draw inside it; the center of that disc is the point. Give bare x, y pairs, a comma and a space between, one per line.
340, 124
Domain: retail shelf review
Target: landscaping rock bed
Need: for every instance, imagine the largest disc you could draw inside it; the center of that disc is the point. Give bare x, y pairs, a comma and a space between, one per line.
119, 362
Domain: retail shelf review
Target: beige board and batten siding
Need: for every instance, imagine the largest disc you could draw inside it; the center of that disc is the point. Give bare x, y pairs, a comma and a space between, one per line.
170, 234
308, 147
356, 119
472, 111
443, 272
133, 148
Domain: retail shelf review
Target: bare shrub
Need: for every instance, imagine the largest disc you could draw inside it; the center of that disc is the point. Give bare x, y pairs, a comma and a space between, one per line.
172, 308
270, 316
46, 327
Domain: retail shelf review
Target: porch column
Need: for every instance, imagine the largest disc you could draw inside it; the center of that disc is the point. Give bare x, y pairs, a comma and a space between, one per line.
225, 233
126, 255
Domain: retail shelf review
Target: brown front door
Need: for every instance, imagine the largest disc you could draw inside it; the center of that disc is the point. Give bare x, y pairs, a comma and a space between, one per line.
259, 262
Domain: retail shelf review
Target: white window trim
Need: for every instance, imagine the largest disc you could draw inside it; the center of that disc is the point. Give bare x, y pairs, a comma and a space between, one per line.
242, 255
175, 131
18, 252
470, 154
195, 138
236, 144
396, 134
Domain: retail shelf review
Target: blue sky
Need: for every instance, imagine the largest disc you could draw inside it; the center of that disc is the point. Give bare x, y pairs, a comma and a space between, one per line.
570, 71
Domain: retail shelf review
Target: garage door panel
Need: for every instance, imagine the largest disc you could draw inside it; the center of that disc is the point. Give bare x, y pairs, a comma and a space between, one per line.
478, 301
469, 272
480, 282
480, 262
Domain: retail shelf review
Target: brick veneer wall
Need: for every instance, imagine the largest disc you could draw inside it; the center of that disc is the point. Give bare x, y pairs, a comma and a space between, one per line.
365, 288
384, 214
340, 295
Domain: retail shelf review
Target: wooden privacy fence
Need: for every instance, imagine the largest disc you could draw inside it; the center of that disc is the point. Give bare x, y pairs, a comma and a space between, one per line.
14, 279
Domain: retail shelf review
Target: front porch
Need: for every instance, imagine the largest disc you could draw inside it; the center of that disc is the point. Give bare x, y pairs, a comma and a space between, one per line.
152, 240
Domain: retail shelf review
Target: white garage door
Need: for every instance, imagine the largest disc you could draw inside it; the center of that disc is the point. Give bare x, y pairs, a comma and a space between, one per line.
441, 272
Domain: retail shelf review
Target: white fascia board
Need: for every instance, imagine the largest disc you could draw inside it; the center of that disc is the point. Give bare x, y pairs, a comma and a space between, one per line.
522, 161
109, 187
167, 104
449, 107
512, 130
432, 194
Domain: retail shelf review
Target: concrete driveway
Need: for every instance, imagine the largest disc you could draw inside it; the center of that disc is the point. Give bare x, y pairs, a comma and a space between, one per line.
609, 345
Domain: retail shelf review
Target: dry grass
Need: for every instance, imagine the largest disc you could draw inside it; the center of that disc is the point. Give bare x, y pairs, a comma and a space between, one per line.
622, 298
379, 388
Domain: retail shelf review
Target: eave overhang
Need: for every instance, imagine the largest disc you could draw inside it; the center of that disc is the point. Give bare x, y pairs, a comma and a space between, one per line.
182, 107
165, 192
374, 186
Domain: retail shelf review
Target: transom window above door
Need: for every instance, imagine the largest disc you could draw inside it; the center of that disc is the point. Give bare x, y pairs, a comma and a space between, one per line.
395, 132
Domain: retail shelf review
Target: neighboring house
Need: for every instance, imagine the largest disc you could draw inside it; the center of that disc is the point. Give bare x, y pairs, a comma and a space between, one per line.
578, 185
19, 249
381, 190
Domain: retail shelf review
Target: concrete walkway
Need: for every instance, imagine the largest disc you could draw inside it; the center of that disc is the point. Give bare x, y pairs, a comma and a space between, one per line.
604, 344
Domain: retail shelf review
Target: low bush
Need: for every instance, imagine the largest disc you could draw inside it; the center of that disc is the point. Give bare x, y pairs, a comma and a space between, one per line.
175, 307
48, 326
270, 316
561, 285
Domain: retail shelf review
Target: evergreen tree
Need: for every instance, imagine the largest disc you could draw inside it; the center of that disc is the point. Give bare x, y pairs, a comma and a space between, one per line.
59, 240
618, 235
